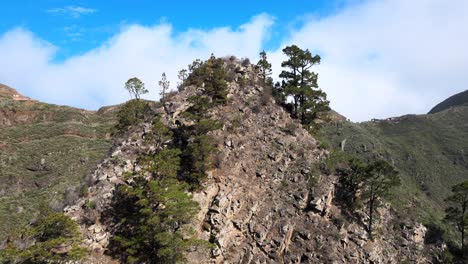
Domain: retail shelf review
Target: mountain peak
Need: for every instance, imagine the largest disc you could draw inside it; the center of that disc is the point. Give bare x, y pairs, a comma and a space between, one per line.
455, 100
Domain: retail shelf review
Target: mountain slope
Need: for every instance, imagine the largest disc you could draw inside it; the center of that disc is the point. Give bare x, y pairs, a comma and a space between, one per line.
45, 152
455, 100
430, 151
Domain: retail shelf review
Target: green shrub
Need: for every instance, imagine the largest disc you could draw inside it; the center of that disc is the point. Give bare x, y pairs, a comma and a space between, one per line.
152, 215
132, 113
56, 239
212, 76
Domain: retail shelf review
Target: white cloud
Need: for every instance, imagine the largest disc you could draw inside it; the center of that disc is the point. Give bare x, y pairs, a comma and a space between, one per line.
96, 78
72, 11
379, 58
388, 58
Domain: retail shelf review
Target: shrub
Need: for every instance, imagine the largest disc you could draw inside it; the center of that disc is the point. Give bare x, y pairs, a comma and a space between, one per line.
212, 76
56, 239
132, 113
245, 62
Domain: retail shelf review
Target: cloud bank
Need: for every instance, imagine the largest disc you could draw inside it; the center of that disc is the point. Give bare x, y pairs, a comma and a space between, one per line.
97, 77
379, 58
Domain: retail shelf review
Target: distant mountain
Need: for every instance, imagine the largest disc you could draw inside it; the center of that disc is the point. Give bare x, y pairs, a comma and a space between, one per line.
45, 152
455, 100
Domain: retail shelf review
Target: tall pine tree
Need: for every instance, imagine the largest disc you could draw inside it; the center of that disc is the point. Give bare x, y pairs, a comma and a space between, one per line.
265, 70
300, 83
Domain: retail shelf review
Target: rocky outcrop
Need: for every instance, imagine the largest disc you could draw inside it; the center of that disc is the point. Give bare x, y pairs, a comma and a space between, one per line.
266, 202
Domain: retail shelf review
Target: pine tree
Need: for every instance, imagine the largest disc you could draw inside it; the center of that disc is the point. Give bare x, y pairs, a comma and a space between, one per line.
377, 180
152, 216
164, 84
457, 213
301, 84
135, 87
265, 70
211, 75
183, 74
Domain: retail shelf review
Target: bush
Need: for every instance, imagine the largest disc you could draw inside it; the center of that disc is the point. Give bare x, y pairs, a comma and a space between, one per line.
56, 239
212, 76
151, 214
132, 113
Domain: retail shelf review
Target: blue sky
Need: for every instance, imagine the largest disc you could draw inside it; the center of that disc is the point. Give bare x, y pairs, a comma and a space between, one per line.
380, 58
78, 26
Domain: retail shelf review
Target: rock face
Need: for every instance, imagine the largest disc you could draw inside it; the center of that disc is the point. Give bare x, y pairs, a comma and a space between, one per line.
267, 201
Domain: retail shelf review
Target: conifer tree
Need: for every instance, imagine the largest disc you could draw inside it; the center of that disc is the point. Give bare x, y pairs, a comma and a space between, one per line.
164, 84
265, 70
378, 178
457, 213
183, 74
301, 84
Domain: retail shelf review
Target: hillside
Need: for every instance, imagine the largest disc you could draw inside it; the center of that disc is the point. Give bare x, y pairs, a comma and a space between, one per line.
460, 99
45, 152
430, 151
219, 173
266, 199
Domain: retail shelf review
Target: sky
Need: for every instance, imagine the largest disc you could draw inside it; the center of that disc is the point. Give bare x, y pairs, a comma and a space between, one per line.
380, 58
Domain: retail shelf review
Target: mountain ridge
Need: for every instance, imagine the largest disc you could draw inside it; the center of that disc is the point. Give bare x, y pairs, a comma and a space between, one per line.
458, 99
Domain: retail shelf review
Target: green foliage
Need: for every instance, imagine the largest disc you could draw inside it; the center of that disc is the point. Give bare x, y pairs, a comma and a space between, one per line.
135, 87
132, 113
159, 133
200, 106
198, 151
152, 216
350, 179
366, 185
153, 209
301, 84
164, 84
378, 178
279, 94
426, 150
53, 239
90, 204
210, 75
199, 155
182, 75
70, 141
457, 212
265, 70
163, 163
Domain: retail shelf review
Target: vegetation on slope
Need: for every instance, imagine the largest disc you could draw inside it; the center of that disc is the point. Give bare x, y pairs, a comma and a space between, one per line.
54, 238
45, 153
153, 208
428, 150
